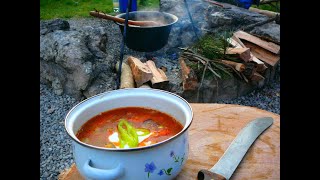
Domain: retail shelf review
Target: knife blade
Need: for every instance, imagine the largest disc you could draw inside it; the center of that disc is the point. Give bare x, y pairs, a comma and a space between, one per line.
231, 158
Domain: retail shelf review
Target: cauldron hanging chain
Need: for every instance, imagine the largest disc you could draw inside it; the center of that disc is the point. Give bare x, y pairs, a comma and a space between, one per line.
123, 42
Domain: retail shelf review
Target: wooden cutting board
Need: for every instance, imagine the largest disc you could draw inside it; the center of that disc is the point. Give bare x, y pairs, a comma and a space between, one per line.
213, 129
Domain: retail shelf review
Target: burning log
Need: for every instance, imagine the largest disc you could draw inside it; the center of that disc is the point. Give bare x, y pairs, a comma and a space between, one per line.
141, 73
189, 77
126, 78
159, 79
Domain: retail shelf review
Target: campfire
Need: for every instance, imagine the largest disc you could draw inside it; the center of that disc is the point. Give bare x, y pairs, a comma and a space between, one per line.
251, 57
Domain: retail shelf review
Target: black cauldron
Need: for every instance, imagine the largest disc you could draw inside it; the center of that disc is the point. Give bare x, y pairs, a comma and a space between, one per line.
147, 39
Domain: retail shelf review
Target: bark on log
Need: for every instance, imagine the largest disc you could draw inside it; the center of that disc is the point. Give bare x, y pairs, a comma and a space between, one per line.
238, 66
126, 78
189, 78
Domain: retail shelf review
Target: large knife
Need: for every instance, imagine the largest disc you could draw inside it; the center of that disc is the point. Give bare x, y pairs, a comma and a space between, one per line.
231, 158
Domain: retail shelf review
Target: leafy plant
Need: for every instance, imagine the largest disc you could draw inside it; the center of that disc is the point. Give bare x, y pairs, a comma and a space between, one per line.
143, 2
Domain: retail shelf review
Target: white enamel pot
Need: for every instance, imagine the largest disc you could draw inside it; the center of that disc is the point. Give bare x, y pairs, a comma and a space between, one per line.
163, 160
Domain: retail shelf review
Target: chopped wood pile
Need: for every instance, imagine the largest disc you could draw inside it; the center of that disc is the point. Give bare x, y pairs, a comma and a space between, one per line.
141, 75
253, 57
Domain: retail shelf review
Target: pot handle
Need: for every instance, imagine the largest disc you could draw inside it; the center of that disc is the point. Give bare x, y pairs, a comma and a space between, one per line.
102, 174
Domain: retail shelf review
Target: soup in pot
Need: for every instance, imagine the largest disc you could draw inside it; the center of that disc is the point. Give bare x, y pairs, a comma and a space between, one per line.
128, 127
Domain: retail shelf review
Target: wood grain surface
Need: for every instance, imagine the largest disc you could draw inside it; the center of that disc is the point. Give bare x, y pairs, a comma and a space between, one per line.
213, 128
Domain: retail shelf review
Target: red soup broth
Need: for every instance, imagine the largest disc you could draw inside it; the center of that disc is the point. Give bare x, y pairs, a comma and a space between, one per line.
97, 130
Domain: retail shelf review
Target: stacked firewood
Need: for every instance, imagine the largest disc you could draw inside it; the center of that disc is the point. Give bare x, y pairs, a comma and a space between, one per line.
135, 73
254, 55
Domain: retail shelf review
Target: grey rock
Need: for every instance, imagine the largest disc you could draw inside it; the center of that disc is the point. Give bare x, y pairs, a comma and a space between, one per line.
206, 18
269, 31
67, 59
70, 61
52, 25
218, 19
97, 40
54, 74
51, 110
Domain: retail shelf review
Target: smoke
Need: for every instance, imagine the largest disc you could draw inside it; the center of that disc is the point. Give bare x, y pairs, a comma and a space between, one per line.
161, 17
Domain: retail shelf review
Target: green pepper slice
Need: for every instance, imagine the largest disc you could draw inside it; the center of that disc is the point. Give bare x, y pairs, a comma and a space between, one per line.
143, 131
127, 136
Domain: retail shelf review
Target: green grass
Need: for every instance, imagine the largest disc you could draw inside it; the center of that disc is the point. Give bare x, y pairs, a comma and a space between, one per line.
50, 9
269, 7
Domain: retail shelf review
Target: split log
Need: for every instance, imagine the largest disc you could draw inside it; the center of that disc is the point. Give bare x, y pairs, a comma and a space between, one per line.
238, 42
256, 77
235, 41
141, 73
189, 77
270, 46
238, 66
244, 53
159, 79
262, 54
126, 78
261, 67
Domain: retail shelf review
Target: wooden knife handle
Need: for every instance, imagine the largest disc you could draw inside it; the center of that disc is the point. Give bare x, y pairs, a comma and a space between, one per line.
208, 175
